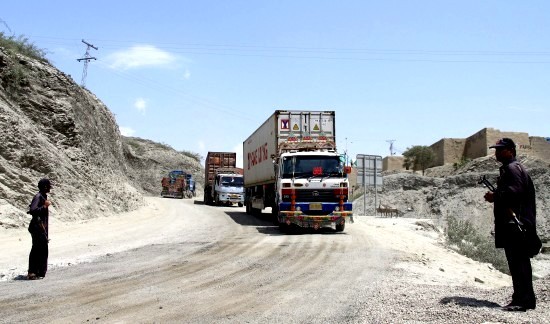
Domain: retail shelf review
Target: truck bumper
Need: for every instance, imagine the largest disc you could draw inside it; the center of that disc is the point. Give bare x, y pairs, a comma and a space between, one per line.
171, 194
232, 198
315, 215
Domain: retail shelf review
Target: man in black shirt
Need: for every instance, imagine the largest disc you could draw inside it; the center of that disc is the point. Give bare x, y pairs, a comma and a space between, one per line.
514, 206
38, 227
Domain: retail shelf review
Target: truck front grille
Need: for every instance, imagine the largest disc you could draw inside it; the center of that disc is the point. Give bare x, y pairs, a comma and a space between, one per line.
314, 195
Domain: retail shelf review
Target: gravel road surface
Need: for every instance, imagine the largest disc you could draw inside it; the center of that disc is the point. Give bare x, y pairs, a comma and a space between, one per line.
182, 261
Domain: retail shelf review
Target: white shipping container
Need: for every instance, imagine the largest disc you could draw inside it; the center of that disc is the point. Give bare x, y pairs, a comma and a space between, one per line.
280, 128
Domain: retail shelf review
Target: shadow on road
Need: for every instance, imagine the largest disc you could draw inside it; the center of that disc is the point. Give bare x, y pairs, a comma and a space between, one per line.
241, 218
266, 224
468, 302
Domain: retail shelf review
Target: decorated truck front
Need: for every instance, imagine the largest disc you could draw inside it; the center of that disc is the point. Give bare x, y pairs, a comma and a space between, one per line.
291, 166
313, 190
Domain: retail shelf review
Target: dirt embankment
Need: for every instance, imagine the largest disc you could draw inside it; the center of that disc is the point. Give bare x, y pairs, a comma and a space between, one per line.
52, 127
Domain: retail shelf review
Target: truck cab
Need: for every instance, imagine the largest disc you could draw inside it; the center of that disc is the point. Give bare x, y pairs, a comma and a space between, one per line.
228, 188
312, 190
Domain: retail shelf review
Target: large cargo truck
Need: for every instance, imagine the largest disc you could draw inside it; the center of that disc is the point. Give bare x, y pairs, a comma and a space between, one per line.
291, 165
223, 181
174, 185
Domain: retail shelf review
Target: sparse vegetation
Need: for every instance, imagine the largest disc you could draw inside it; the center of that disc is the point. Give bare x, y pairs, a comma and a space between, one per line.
462, 162
196, 156
467, 240
418, 158
14, 76
22, 45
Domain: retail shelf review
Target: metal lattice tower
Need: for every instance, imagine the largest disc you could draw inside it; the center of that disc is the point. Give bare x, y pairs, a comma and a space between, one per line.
86, 59
391, 147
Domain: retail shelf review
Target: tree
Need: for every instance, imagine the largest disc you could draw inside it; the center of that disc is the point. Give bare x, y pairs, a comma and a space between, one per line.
419, 158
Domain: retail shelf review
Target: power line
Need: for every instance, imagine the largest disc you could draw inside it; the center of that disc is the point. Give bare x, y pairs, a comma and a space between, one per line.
343, 54
86, 59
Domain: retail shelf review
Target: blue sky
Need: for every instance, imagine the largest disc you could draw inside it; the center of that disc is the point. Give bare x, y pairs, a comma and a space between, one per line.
203, 75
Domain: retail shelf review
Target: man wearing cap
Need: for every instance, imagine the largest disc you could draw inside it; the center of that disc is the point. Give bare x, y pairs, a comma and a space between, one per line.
514, 197
38, 227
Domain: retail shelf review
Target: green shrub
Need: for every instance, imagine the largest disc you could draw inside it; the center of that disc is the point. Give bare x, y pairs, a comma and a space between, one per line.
462, 162
195, 156
13, 78
469, 242
22, 45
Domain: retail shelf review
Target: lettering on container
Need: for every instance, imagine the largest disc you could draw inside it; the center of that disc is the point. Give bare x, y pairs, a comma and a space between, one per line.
257, 156
285, 124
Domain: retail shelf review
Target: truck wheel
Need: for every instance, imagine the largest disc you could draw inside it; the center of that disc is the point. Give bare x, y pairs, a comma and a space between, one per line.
240, 204
248, 210
284, 228
340, 227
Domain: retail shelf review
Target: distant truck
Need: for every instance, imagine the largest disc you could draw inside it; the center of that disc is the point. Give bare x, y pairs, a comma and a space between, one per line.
291, 165
178, 184
223, 181
190, 185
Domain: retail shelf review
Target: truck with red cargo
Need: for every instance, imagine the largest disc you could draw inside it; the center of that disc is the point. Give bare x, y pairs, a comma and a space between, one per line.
174, 185
291, 165
223, 181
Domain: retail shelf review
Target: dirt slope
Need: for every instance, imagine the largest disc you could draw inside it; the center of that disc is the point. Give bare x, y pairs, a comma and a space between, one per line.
51, 127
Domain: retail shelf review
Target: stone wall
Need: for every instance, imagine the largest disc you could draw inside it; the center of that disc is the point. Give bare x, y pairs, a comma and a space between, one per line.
390, 163
448, 150
540, 147
478, 144
451, 150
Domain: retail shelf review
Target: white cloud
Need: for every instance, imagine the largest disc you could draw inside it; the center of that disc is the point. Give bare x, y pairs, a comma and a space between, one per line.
127, 131
201, 145
141, 105
202, 150
140, 56
187, 75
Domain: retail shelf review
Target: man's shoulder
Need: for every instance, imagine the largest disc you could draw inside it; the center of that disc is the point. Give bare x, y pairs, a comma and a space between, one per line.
516, 169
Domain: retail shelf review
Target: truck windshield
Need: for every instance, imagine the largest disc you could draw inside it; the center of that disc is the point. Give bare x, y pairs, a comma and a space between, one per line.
232, 181
311, 166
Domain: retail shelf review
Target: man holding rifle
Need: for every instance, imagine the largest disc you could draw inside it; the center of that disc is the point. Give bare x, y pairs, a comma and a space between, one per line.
38, 227
515, 215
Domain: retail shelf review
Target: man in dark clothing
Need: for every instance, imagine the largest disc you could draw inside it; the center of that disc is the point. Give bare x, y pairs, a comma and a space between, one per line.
38, 227
514, 206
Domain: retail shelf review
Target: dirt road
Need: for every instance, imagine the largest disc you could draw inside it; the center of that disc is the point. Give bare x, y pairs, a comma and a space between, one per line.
182, 261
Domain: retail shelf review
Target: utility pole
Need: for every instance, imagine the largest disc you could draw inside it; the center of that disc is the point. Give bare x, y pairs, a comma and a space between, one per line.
86, 59
391, 147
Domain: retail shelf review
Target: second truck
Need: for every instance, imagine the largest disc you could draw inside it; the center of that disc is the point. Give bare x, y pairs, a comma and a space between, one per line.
223, 181
291, 165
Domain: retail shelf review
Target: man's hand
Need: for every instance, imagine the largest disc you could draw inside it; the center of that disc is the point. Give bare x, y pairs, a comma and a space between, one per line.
489, 196
47, 203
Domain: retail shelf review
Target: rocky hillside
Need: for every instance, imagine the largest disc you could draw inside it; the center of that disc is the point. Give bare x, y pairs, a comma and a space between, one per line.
445, 192
51, 127
150, 161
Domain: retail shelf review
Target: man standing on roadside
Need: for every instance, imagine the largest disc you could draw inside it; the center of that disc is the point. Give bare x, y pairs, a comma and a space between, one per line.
38, 227
514, 205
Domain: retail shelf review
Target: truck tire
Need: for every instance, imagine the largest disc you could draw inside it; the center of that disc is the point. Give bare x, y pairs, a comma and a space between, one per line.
240, 204
340, 227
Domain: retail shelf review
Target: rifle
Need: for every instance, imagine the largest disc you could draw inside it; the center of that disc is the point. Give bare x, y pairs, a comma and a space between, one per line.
483, 180
43, 230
